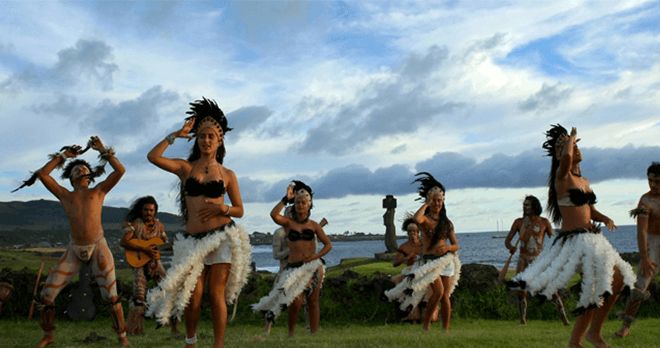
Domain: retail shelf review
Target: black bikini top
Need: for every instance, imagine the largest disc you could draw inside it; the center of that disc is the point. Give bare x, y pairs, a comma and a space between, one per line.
211, 189
579, 197
306, 234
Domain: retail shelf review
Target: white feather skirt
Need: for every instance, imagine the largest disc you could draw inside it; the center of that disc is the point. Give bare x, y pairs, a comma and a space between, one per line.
172, 294
291, 284
423, 273
590, 253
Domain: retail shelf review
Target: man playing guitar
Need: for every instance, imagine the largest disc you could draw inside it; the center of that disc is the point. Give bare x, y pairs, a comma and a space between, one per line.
142, 233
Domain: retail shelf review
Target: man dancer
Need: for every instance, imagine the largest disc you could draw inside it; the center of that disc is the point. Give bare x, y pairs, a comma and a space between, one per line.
648, 241
141, 224
83, 207
532, 229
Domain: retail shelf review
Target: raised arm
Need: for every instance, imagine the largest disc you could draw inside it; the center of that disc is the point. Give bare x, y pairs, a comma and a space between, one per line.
176, 166
44, 173
419, 217
275, 213
118, 169
566, 161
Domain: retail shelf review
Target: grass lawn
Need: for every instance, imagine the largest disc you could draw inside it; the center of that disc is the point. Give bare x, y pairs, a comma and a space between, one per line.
463, 333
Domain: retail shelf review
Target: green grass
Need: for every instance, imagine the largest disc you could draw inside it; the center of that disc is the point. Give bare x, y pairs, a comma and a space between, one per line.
463, 333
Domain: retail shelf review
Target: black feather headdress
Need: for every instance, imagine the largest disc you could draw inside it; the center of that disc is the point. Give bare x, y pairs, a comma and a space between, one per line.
426, 183
201, 109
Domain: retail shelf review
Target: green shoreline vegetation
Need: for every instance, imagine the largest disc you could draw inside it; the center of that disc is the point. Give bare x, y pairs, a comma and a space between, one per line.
353, 314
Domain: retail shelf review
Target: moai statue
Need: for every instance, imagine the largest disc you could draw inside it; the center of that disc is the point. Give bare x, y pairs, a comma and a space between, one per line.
389, 203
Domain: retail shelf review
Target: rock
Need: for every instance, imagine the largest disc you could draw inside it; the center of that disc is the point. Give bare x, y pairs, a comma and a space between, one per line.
385, 256
477, 277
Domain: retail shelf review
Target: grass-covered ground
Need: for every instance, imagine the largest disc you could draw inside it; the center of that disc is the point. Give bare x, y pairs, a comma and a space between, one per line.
352, 316
463, 333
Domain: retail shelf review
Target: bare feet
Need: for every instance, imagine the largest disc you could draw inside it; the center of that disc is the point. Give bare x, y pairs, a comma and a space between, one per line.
623, 332
48, 339
190, 345
258, 337
426, 327
267, 330
596, 340
123, 341
571, 345
522, 323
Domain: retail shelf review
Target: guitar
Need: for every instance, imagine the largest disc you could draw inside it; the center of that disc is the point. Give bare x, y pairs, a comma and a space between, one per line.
138, 258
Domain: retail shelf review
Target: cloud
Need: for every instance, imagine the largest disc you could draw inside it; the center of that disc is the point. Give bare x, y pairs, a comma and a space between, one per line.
248, 118
133, 116
383, 108
88, 60
549, 97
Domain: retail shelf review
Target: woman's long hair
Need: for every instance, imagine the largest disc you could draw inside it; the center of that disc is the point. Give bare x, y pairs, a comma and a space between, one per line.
426, 183
552, 135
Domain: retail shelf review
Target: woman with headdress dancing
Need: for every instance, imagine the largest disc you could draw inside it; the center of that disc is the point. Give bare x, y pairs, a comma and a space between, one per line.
438, 266
213, 249
579, 246
303, 276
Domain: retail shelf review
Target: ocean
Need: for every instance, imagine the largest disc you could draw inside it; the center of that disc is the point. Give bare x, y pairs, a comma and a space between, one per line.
478, 247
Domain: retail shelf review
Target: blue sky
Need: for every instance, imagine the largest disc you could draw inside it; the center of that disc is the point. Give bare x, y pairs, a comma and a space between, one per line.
351, 97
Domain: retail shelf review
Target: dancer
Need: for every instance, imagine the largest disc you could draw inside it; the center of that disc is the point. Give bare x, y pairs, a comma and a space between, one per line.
439, 266
140, 229
648, 240
408, 253
579, 246
532, 228
303, 276
83, 207
213, 249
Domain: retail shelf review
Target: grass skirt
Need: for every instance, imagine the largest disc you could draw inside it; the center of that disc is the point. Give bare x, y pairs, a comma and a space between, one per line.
172, 294
411, 290
590, 253
291, 284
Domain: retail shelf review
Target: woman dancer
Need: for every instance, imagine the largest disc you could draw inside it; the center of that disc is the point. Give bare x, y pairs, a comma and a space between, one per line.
303, 275
439, 266
213, 249
579, 246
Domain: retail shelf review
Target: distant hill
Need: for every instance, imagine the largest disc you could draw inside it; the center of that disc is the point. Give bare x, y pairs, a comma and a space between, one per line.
48, 215
44, 220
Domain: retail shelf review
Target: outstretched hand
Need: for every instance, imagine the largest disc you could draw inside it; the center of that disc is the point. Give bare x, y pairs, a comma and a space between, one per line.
289, 192
184, 132
97, 144
72, 151
611, 226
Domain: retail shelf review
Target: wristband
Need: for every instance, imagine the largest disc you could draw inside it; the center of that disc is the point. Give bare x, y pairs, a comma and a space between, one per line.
170, 138
285, 200
227, 212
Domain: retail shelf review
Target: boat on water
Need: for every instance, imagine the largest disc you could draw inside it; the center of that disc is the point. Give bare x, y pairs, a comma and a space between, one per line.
499, 233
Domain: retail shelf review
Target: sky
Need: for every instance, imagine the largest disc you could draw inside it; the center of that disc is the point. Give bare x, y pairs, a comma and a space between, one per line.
353, 98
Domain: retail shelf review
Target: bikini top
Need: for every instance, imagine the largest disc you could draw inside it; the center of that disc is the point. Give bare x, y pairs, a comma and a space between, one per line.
306, 234
211, 189
577, 197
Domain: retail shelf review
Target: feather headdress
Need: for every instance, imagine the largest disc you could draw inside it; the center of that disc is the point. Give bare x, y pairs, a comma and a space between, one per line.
206, 113
426, 183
